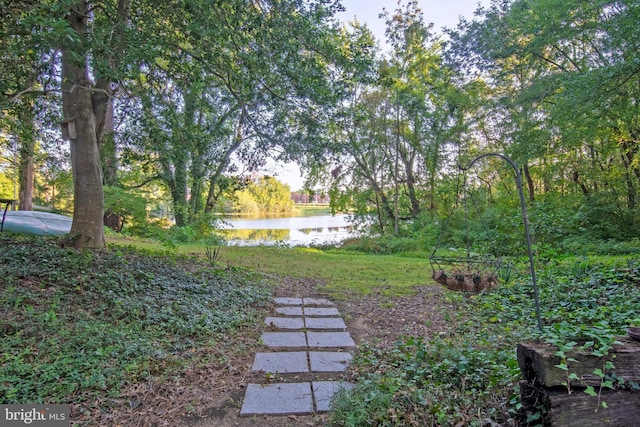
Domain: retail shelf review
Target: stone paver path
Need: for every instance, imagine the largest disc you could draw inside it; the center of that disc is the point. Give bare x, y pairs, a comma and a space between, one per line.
307, 346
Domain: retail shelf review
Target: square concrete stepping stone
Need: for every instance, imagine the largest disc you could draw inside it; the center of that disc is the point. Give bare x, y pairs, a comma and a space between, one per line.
277, 399
324, 323
323, 392
329, 339
321, 311
285, 322
289, 311
281, 362
284, 339
287, 301
329, 361
318, 302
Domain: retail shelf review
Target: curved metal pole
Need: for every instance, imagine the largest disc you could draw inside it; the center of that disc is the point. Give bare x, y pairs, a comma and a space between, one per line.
525, 220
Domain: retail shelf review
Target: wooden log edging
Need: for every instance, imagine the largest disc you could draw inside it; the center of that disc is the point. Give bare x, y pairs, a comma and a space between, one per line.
538, 364
544, 388
578, 409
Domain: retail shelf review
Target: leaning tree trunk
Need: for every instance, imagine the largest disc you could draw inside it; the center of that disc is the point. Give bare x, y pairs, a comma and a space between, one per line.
213, 195
87, 228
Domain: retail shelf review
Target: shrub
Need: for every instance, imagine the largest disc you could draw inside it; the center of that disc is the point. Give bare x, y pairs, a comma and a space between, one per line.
131, 208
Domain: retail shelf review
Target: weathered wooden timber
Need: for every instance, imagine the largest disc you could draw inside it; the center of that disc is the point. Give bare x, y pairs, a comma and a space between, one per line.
544, 388
578, 409
538, 364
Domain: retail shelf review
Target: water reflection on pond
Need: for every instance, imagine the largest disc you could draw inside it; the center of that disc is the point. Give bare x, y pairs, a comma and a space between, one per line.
294, 231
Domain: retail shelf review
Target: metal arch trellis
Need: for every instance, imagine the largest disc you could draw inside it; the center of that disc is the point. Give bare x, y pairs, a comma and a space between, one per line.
471, 273
474, 278
525, 220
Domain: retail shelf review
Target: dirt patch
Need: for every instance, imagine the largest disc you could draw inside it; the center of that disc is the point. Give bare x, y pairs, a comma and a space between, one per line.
380, 320
209, 392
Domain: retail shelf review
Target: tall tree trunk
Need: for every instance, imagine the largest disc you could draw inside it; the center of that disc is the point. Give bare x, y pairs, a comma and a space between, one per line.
179, 190
384, 202
432, 168
26, 183
396, 179
105, 126
108, 148
408, 161
27, 141
193, 122
379, 212
78, 106
530, 184
408, 155
575, 177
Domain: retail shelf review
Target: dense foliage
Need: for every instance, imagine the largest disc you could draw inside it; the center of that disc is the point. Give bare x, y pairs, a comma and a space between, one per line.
519, 79
79, 325
468, 375
177, 94
201, 96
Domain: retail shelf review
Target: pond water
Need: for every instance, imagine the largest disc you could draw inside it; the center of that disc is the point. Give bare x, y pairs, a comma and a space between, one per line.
293, 231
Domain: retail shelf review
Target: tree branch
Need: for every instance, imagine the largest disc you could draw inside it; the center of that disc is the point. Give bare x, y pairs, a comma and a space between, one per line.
143, 183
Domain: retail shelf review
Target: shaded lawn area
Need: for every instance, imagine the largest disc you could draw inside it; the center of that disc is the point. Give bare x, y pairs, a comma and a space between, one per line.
345, 273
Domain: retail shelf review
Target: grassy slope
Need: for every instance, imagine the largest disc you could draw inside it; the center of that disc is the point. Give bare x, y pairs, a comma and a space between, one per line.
54, 298
79, 325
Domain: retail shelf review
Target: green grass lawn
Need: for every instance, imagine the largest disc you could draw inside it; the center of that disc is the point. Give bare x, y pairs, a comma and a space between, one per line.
344, 272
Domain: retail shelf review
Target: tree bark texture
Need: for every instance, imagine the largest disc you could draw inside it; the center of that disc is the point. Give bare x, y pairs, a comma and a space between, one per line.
26, 182
27, 140
530, 184
212, 196
87, 229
